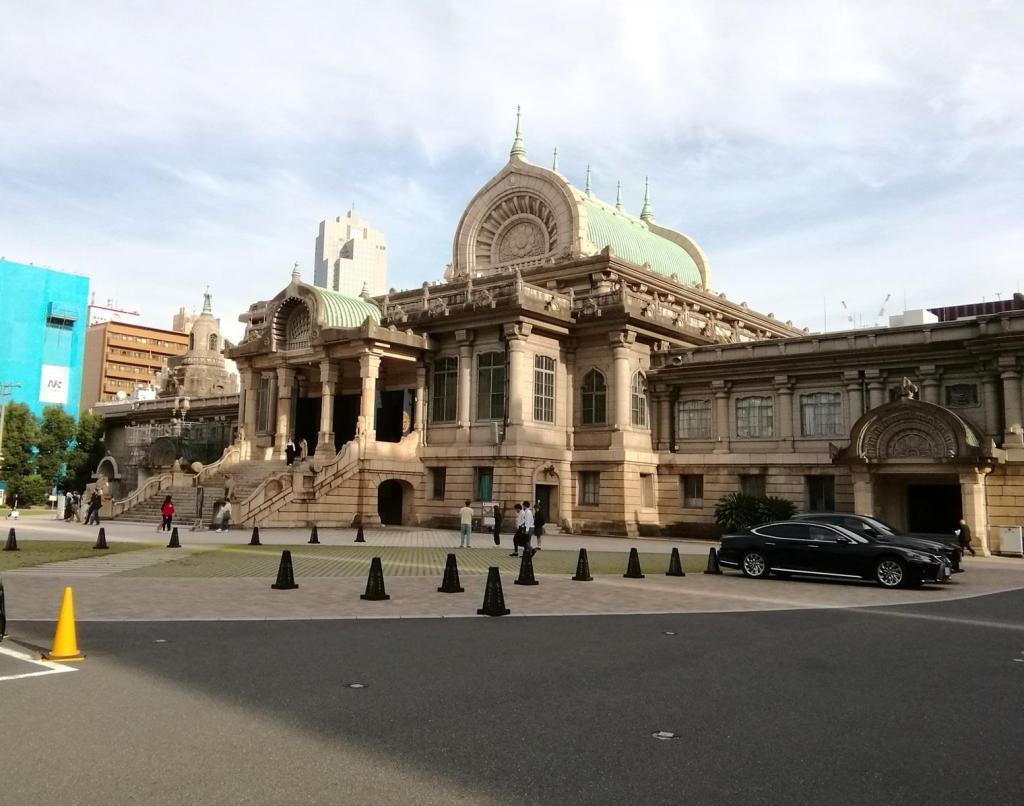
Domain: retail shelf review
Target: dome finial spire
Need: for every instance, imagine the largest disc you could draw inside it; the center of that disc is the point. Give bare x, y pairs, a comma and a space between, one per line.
618, 195
554, 161
296, 274
207, 304
518, 149
647, 213
586, 189
365, 293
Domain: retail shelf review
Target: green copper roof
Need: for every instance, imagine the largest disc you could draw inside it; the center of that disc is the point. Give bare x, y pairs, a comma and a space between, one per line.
630, 239
340, 310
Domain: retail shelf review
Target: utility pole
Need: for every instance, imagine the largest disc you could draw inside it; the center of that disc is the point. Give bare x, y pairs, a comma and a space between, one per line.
5, 392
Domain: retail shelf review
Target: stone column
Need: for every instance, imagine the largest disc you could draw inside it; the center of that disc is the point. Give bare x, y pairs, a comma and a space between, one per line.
784, 413
328, 379
972, 495
661, 438
285, 382
621, 341
993, 422
876, 388
421, 403
1011, 402
720, 389
930, 384
854, 396
520, 373
464, 338
863, 494
569, 355
369, 370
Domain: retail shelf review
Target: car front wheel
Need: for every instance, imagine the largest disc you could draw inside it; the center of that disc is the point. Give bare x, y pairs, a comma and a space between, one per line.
755, 565
890, 573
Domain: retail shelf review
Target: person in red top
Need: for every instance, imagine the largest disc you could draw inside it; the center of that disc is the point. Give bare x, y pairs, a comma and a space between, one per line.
167, 510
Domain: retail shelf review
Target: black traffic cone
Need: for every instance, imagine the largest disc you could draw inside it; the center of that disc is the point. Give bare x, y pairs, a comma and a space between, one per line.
633, 567
675, 566
12, 541
174, 543
314, 536
494, 597
285, 576
359, 532
101, 539
712, 563
583, 568
375, 583
450, 581
526, 576
255, 539
3, 611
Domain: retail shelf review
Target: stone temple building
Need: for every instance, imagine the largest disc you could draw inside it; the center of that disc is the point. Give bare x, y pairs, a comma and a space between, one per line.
576, 355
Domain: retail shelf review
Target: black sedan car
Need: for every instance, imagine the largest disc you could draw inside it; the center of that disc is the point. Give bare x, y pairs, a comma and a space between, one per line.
881, 531
788, 548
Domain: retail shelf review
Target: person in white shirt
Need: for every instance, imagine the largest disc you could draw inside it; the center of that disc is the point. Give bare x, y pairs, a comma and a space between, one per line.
465, 525
527, 527
518, 536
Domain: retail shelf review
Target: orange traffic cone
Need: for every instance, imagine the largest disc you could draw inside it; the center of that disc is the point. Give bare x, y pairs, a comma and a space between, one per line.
65, 641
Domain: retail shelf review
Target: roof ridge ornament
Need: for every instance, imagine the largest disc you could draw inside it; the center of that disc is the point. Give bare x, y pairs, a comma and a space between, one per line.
365, 293
296, 274
587, 189
618, 196
647, 213
518, 149
554, 161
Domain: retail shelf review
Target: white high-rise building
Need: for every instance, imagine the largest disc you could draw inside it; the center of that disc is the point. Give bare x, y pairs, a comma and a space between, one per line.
349, 254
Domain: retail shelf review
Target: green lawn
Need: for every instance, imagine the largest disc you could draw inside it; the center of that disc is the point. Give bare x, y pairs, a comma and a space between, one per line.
354, 561
37, 552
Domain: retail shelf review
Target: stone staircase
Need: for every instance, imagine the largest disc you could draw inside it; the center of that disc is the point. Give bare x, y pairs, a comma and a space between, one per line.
246, 476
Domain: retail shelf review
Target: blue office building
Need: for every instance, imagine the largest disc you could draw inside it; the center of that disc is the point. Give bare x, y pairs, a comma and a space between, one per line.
42, 334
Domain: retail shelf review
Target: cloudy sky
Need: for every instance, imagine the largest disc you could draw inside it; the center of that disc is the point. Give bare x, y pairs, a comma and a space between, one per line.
819, 152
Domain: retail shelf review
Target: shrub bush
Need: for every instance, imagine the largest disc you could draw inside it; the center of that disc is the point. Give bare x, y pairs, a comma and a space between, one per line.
738, 511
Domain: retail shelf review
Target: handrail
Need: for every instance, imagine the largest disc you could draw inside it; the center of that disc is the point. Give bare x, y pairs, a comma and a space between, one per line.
230, 452
142, 493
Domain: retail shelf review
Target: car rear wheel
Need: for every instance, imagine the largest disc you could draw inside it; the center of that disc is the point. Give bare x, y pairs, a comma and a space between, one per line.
755, 565
890, 573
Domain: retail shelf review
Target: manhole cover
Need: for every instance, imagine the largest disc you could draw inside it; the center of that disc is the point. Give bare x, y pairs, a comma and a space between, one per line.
355, 685
664, 735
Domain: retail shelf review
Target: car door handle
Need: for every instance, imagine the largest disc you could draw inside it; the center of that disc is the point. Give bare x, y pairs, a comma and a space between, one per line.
813, 546
768, 544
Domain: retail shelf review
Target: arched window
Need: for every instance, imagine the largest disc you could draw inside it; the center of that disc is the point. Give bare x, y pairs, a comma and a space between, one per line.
638, 397
544, 389
594, 410
191, 341
444, 390
213, 342
297, 329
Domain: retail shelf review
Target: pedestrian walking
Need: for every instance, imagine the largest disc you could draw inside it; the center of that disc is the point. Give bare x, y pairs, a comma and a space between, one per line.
289, 452
92, 515
498, 515
517, 536
538, 523
303, 449
167, 512
225, 517
528, 524
197, 522
76, 507
465, 525
963, 536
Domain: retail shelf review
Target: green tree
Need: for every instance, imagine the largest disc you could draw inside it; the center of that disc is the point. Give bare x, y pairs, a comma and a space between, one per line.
56, 432
29, 490
21, 432
87, 452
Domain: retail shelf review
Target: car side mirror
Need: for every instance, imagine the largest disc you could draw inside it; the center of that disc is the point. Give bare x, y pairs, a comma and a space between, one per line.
843, 539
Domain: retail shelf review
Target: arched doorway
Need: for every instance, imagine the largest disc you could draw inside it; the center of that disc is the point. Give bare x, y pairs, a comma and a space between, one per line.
394, 502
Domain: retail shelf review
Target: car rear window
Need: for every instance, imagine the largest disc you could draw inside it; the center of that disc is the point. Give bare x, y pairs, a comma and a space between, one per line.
799, 531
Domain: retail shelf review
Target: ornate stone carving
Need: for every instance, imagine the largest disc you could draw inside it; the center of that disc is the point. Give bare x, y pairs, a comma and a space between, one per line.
518, 227
524, 238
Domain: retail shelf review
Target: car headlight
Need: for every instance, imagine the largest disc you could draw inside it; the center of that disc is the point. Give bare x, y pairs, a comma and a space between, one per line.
917, 556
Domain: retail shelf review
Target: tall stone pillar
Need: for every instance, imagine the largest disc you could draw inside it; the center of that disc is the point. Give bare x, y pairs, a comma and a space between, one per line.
854, 396
664, 436
621, 342
285, 382
876, 388
464, 338
863, 494
520, 374
972, 497
720, 389
930, 384
421, 403
569, 355
990, 391
328, 379
784, 415
369, 370
1008, 371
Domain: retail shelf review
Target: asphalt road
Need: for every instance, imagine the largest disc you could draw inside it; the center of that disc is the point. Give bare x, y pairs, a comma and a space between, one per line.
913, 704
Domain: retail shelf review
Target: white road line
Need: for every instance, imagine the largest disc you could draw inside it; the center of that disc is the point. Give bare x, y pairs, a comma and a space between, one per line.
50, 667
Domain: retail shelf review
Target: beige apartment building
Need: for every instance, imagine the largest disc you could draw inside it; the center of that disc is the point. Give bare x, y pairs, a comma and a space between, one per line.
121, 357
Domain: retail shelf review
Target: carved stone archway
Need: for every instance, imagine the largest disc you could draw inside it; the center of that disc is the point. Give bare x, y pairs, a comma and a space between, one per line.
909, 429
